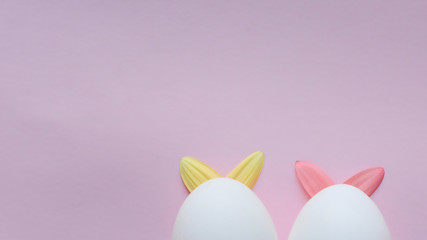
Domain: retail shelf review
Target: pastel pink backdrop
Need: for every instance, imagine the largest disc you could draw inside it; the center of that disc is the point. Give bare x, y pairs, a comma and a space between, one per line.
99, 100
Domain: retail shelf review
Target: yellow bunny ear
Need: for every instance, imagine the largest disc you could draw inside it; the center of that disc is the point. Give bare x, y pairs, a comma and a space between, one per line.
248, 170
195, 172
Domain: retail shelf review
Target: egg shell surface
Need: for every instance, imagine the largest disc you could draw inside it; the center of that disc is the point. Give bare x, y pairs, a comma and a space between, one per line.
223, 209
340, 212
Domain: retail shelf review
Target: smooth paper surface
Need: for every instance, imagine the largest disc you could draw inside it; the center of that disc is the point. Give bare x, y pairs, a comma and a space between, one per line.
100, 100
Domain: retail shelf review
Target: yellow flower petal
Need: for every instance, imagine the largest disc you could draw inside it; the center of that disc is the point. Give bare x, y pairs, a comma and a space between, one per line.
248, 170
195, 172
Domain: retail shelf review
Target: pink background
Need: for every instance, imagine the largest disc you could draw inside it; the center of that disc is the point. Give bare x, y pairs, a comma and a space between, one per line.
99, 100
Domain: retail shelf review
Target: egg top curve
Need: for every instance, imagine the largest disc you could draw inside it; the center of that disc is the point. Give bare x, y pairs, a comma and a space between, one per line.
223, 209
340, 212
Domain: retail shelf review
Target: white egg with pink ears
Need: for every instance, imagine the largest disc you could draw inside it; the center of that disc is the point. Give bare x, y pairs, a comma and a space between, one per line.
222, 208
339, 211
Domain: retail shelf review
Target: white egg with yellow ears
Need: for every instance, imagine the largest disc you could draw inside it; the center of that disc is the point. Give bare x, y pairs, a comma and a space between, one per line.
223, 208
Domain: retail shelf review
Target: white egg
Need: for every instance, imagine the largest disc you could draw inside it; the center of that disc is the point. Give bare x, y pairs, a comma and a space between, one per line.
223, 209
340, 212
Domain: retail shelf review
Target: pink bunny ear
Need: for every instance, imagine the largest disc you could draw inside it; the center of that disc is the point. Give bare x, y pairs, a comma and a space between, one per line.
312, 178
367, 180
